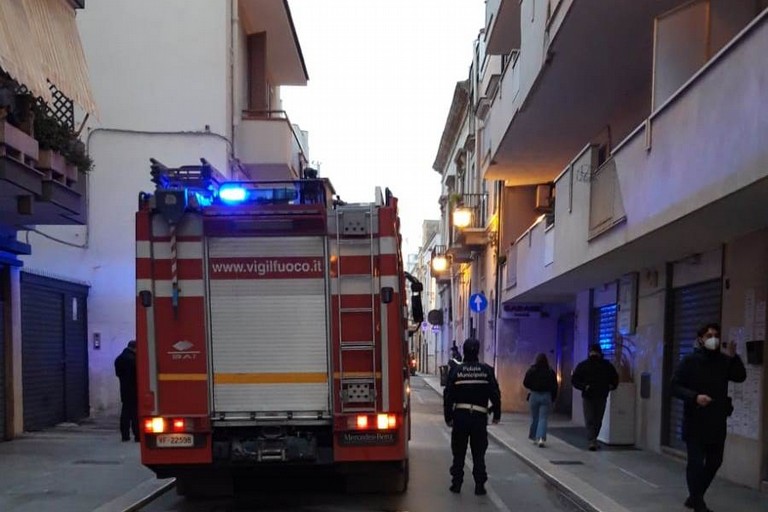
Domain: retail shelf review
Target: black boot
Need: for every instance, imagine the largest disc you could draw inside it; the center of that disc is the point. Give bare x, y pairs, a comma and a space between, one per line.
480, 490
455, 488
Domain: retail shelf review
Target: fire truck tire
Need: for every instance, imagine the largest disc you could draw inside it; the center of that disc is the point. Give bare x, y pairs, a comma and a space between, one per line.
204, 486
387, 479
400, 482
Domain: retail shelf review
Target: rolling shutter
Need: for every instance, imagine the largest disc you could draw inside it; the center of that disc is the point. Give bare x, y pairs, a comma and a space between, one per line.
3, 408
54, 351
692, 307
268, 320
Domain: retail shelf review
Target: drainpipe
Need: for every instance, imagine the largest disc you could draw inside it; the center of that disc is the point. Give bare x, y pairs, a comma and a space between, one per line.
234, 28
498, 284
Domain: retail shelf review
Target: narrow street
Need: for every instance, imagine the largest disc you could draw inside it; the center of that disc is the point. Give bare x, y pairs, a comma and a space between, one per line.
512, 484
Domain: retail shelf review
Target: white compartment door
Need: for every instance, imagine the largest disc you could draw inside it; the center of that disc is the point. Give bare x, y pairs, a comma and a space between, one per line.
268, 321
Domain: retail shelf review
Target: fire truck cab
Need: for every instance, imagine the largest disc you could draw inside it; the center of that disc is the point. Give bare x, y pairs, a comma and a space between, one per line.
271, 323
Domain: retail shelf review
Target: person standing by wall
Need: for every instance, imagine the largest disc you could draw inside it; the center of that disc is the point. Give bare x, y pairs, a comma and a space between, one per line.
701, 382
125, 369
541, 381
595, 378
471, 385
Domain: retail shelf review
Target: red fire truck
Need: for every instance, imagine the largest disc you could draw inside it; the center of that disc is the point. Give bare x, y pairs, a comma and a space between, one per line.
271, 321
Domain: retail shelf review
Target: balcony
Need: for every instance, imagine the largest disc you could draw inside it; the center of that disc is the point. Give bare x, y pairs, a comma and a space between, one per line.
470, 229
283, 58
40, 186
580, 69
502, 26
269, 147
694, 175
440, 264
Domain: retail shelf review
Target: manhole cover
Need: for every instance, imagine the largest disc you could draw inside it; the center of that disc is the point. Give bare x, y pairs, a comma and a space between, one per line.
99, 462
566, 462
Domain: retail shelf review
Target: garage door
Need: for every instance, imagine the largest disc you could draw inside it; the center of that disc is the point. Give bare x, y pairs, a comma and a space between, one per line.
2, 369
54, 351
692, 307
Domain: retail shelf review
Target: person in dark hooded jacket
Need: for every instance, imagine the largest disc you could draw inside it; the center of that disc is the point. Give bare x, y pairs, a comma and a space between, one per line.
125, 369
595, 378
701, 382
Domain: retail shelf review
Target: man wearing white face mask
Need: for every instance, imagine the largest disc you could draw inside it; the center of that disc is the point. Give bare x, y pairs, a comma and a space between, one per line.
701, 382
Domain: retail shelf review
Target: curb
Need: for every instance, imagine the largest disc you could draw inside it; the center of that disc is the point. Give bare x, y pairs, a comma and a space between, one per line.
138, 497
151, 496
565, 483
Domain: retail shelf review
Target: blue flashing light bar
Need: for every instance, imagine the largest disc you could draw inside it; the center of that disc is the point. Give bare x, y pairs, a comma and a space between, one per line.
233, 194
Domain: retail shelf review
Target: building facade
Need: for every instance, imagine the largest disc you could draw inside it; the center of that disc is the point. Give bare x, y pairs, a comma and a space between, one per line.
627, 146
425, 341
45, 93
177, 81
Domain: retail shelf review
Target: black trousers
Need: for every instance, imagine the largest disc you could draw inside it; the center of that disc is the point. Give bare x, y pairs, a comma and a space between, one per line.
469, 427
129, 420
704, 459
594, 410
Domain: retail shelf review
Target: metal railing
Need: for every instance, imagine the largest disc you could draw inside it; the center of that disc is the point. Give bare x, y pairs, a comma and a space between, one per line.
478, 204
276, 115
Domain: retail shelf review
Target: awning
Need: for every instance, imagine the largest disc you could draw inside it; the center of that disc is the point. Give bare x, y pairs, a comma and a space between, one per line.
39, 42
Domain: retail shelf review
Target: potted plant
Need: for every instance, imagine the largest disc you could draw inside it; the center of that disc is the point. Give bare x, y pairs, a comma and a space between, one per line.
61, 152
14, 142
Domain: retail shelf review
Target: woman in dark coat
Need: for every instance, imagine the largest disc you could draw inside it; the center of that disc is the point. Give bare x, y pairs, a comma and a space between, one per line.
541, 381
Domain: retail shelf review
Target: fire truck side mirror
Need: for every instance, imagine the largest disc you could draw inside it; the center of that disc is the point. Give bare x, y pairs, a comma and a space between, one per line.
417, 310
146, 298
387, 293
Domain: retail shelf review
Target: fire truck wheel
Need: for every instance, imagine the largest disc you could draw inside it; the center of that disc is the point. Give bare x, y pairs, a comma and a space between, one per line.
204, 486
401, 479
386, 479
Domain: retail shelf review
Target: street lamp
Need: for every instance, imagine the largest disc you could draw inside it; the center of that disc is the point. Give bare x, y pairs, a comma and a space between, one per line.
439, 263
462, 217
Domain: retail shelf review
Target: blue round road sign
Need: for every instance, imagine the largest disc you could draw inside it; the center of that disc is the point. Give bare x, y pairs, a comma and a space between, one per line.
478, 303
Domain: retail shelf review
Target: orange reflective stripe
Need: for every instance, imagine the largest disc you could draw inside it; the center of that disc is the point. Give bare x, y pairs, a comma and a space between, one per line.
182, 376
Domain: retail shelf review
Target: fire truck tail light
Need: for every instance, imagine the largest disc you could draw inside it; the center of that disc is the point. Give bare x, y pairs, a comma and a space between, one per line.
155, 425
179, 425
362, 422
386, 421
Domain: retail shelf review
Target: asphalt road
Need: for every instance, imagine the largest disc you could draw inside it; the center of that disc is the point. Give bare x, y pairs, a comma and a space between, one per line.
512, 485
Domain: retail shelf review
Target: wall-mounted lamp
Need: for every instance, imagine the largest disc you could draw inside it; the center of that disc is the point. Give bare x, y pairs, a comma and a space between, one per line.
439, 264
462, 217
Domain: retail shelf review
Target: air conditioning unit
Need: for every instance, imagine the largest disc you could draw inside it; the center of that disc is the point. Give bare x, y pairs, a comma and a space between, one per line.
544, 198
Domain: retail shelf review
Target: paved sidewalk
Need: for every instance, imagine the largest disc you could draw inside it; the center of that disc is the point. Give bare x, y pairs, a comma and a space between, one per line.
613, 480
73, 468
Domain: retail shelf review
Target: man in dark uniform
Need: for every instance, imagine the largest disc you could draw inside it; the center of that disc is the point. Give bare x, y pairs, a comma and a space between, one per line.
125, 369
471, 385
701, 382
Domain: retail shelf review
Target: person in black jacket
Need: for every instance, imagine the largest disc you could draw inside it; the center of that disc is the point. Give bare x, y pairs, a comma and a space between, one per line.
541, 381
125, 369
471, 385
595, 378
701, 382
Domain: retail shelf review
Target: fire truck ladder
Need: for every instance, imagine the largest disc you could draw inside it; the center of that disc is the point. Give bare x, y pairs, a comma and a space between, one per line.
356, 224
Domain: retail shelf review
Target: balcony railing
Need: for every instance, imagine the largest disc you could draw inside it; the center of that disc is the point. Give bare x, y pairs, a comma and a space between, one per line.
440, 262
269, 145
470, 220
606, 208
